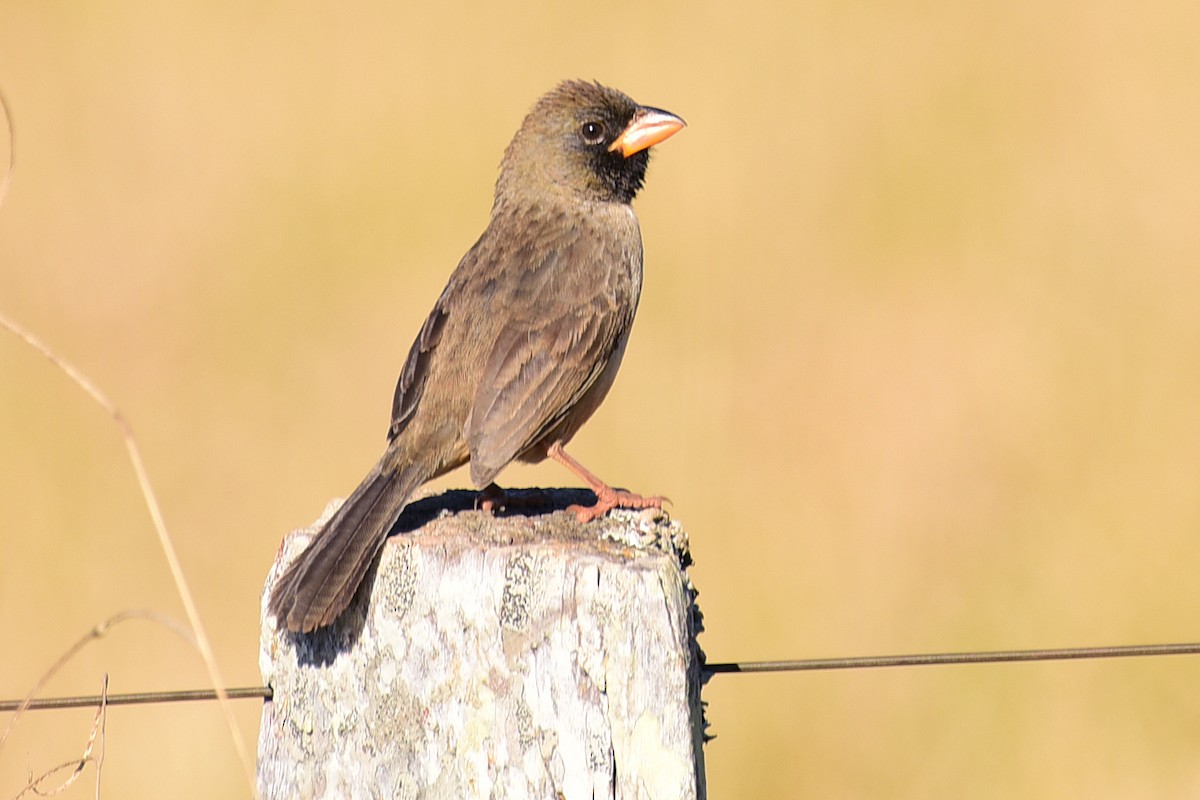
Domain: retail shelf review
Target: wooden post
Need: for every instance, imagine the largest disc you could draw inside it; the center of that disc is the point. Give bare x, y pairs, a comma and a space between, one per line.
516, 656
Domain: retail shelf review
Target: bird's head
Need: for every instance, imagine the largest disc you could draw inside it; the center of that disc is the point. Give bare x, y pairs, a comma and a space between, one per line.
583, 141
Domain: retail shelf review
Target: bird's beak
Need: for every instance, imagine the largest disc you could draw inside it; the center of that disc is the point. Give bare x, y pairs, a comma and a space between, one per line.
648, 127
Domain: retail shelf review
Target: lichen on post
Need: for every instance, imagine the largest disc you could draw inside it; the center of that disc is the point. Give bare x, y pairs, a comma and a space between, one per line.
516, 655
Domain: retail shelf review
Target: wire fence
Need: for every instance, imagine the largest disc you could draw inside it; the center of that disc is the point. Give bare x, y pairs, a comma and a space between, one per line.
715, 668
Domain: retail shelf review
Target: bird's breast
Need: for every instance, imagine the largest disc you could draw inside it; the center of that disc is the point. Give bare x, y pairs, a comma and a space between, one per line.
618, 240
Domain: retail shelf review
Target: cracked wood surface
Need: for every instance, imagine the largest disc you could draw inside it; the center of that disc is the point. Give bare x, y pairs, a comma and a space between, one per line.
516, 656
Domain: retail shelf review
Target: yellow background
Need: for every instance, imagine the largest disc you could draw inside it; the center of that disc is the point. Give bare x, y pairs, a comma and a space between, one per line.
918, 356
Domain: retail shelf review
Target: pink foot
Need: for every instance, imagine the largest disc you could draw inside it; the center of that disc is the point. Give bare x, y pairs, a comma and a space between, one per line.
491, 499
607, 499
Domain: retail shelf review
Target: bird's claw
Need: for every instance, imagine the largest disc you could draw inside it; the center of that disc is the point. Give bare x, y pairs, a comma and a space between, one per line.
615, 498
491, 499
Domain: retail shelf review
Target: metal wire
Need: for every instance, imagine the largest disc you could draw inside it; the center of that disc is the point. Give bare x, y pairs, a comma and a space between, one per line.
935, 659
718, 668
136, 698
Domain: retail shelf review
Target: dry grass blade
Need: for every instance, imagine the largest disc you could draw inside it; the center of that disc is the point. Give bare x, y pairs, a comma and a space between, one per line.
6, 179
98, 632
76, 765
164, 538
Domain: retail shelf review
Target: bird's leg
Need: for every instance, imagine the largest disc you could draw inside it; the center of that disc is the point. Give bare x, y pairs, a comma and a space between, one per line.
607, 498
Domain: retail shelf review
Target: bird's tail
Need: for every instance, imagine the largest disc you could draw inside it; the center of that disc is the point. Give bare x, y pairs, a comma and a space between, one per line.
319, 584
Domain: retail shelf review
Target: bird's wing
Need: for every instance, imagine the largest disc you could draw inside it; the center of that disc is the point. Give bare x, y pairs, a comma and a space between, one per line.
543, 362
411, 383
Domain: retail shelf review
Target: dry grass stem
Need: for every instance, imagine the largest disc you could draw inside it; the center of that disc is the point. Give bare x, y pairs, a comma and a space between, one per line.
98, 632
76, 766
164, 538
6, 179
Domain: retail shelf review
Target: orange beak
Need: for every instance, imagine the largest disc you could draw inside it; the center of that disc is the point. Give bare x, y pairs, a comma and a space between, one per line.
648, 127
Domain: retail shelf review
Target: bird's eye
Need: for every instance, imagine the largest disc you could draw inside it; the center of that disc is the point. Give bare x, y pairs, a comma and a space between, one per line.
592, 132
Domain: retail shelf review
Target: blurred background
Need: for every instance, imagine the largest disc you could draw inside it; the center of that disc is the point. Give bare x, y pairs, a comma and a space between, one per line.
918, 355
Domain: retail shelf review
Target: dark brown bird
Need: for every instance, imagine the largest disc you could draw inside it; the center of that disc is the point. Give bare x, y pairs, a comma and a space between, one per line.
523, 343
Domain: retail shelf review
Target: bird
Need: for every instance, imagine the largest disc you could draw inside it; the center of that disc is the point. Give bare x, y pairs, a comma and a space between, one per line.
521, 346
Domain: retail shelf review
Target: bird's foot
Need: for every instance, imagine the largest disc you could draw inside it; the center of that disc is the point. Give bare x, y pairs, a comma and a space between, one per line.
491, 499
494, 499
608, 498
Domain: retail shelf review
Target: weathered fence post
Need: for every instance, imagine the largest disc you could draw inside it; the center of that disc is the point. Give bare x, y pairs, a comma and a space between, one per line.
515, 656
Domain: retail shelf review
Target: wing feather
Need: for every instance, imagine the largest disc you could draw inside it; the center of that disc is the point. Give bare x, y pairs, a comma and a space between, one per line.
537, 371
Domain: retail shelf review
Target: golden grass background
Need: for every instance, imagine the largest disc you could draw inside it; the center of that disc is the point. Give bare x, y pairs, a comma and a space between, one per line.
918, 357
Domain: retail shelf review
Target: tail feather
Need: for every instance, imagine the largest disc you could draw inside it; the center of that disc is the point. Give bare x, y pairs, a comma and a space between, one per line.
319, 584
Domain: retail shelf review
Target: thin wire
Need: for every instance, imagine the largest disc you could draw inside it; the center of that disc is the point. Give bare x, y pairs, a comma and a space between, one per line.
137, 698
98, 632
719, 668
936, 659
